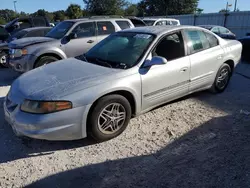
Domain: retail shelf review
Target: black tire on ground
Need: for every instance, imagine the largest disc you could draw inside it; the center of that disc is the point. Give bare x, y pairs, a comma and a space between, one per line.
217, 88
3, 54
45, 60
94, 117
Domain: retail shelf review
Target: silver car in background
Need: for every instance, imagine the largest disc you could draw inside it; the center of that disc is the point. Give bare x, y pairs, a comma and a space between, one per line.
69, 38
125, 75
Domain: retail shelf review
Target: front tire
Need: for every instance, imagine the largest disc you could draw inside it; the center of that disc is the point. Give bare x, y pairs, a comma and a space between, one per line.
3, 59
222, 79
109, 117
45, 60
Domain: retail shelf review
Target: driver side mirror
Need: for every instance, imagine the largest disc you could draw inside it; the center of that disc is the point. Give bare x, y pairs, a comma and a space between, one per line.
157, 60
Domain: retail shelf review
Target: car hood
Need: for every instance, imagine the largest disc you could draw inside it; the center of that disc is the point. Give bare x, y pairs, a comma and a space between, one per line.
59, 79
21, 43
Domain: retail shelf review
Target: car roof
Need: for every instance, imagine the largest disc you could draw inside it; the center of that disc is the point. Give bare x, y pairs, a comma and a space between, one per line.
154, 19
96, 19
209, 26
158, 30
36, 28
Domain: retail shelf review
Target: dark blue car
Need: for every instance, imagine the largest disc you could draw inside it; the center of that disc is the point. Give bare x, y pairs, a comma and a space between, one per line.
221, 31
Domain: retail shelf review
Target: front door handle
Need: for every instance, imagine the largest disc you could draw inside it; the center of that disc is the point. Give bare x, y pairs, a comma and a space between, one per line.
90, 41
184, 69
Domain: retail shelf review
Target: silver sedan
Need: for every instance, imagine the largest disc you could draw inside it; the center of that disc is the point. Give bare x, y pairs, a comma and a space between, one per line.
125, 75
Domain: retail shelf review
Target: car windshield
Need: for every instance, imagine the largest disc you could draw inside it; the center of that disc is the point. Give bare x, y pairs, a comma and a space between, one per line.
60, 30
149, 22
120, 50
17, 35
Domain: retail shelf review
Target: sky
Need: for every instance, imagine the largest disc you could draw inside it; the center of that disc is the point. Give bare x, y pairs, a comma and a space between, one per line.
31, 6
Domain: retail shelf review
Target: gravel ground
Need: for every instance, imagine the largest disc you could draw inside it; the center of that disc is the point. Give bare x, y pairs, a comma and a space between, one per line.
199, 141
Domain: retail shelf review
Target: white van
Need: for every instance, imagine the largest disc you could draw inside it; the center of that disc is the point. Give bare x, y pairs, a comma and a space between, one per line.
161, 21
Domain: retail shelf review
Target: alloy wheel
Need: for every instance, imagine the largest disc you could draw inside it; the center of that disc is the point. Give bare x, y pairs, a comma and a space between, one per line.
111, 118
223, 78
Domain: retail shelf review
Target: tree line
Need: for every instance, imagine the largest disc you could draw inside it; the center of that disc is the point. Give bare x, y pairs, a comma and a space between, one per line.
111, 7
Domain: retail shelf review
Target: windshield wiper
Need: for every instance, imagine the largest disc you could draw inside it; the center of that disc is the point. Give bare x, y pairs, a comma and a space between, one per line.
103, 62
82, 58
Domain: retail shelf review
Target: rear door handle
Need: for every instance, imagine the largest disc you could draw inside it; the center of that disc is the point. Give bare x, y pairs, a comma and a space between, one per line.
90, 41
184, 69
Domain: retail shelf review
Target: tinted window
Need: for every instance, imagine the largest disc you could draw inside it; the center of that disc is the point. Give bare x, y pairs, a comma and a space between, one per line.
60, 30
175, 23
138, 23
39, 22
17, 35
171, 47
149, 22
24, 23
45, 31
215, 30
161, 23
223, 30
168, 22
85, 30
198, 41
105, 28
213, 41
121, 50
36, 33
123, 24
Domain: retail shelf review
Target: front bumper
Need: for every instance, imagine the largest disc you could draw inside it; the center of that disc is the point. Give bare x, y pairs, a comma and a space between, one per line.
64, 125
22, 64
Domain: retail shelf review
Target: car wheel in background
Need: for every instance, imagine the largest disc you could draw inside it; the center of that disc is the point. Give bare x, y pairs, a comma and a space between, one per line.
3, 59
45, 60
109, 117
222, 79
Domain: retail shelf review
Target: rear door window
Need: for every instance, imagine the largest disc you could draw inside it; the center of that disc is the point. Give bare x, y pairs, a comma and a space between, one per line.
197, 41
175, 23
168, 23
161, 23
105, 28
123, 24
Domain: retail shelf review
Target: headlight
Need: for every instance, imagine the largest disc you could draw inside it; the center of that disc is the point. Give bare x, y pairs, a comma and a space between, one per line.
18, 52
45, 107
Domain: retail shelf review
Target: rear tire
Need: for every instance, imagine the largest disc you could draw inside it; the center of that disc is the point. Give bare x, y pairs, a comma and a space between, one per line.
45, 60
109, 117
222, 79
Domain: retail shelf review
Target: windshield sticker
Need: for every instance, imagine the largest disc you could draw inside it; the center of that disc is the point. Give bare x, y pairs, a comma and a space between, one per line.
142, 36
